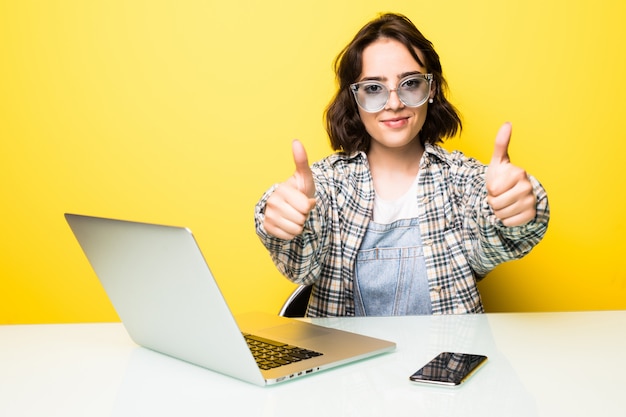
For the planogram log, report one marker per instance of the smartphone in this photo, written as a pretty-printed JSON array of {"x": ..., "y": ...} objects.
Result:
[{"x": 449, "y": 368}]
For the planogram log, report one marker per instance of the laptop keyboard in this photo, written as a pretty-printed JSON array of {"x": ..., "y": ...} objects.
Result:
[{"x": 272, "y": 354}]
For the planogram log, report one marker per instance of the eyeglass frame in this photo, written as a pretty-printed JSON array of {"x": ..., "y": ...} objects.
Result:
[{"x": 354, "y": 87}]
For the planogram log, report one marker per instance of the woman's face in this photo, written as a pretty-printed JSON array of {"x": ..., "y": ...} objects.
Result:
[{"x": 396, "y": 125}]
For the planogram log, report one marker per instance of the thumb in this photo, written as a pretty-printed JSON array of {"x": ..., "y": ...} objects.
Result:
[
  {"x": 501, "y": 148},
  {"x": 303, "y": 174}
]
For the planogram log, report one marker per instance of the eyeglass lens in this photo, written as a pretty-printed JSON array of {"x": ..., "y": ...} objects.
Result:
[{"x": 372, "y": 96}]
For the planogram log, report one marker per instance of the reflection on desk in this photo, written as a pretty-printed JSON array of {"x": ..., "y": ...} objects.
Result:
[{"x": 539, "y": 365}]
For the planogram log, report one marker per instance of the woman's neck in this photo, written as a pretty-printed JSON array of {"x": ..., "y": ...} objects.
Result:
[{"x": 394, "y": 169}]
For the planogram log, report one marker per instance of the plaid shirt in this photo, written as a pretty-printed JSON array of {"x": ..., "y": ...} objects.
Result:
[{"x": 462, "y": 239}]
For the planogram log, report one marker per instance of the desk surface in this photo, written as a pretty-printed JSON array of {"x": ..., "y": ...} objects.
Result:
[{"x": 540, "y": 364}]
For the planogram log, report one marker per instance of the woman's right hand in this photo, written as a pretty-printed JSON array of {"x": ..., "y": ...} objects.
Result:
[{"x": 287, "y": 209}]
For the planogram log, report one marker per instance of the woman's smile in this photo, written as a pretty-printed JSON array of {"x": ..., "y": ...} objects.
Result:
[{"x": 395, "y": 122}]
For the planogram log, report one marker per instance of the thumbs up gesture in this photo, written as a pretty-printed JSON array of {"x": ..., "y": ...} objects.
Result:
[
  {"x": 288, "y": 207},
  {"x": 509, "y": 191}
]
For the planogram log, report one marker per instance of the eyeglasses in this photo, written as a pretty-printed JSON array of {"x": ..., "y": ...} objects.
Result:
[{"x": 372, "y": 96}]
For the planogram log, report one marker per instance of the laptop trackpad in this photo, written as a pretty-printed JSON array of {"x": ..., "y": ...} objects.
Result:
[{"x": 294, "y": 331}]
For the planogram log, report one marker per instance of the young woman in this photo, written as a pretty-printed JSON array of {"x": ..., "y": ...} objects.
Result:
[{"x": 393, "y": 224}]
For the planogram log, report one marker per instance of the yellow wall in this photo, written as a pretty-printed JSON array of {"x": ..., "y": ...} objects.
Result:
[{"x": 182, "y": 112}]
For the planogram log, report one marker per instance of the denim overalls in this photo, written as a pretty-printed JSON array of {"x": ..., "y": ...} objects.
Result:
[{"x": 390, "y": 275}]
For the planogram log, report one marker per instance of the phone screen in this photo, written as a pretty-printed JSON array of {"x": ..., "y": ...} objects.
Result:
[{"x": 448, "y": 368}]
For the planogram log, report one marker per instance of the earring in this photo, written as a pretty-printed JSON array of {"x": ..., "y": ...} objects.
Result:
[{"x": 430, "y": 100}]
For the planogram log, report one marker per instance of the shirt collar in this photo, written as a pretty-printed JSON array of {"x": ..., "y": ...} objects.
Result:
[{"x": 432, "y": 153}]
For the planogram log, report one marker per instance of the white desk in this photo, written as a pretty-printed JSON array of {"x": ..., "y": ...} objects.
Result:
[{"x": 555, "y": 364}]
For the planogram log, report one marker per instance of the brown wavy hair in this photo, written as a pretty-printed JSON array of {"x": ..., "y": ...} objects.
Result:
[{"x": 343, "y": 123}]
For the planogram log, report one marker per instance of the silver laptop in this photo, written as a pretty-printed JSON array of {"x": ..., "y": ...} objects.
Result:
[{"x": 163, "y": 291}]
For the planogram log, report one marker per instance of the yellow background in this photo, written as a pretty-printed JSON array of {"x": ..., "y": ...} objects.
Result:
[{"x": 182, "y": 113}]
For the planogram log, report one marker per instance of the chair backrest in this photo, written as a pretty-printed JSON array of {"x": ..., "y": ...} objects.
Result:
[{"x": 296, "y": 304}]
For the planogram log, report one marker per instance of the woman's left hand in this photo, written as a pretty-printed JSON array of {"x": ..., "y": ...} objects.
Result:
[{"x": 509, "y": 191}]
